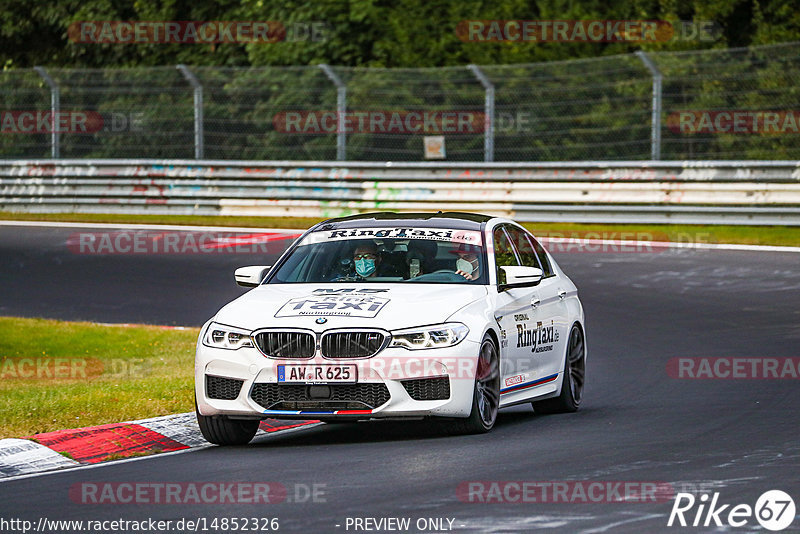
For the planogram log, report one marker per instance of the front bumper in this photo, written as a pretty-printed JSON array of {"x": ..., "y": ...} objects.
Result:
[{"x": 244, "y": 383}]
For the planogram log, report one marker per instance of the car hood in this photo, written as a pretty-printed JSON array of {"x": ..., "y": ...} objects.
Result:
[{"x": 387, "y": 306}]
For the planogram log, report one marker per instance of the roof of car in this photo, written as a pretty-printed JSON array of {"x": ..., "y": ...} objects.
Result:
[{"x": 449, "y": 219}]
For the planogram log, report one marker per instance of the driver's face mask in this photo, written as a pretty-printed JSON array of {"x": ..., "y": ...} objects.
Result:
[
  {"x": 467, "y": 266},
  {"x": 365, "y": 267}
]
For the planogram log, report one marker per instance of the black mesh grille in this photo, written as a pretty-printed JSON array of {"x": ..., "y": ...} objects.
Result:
[
  {"x": 286, "y": 344},
  {"x": 339, "y": 397},
  {"x": 357, "y": 344},
  {"x": 221, "y": 388},
  {"x": 428, "y": 388}
]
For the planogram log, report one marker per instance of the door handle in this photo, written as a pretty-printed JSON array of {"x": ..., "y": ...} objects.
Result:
[
  {"x": 535, "y": 301},
  {"x": 562, "y": 293}
]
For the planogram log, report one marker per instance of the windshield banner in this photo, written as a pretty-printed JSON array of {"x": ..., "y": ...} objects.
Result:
[{"x": 433, "y": 234}]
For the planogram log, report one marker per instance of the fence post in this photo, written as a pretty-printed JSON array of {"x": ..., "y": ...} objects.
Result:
[
  {"x": 198, "y": 110},
  {"x": 488, "y": 125},
  {"x": 341, "y": 110},
  {"x": 55, "y": 109},
  {"x": 655, "y": 119}
]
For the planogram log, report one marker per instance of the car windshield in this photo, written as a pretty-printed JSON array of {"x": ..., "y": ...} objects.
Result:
[{"x": 413, "y": 255}]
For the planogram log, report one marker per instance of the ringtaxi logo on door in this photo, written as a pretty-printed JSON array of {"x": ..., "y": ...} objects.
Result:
[{"x": 774, "y": 510}]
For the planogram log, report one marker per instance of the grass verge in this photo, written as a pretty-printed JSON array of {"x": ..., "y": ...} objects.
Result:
[
  {"x": 745, "y": 235},
  {"x": 57, "y": 375}
]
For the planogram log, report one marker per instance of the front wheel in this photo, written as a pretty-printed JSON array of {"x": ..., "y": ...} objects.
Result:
[
  {"x": 486, "y": 392},
  {"x": 222, "y": 430},
  {"x": 572, "y": 383}
]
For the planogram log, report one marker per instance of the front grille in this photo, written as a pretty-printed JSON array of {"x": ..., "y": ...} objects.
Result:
[
  {"x": 221, "y": 388},
  {"x": 336, "y": 397},
  {"x": 428, "y": 388},
  {"x": 286, "y": 344},
  {"x": 356, "y": 344}
]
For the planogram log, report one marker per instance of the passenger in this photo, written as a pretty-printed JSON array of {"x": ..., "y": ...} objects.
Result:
[
  {"x": 468, "y": 262},
  {"x": 366, "y": 260}
]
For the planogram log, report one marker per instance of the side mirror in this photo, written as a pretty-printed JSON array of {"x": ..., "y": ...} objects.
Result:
[
  {"x": 520, "y": 276},
  {"x": 251, "y": 276}
]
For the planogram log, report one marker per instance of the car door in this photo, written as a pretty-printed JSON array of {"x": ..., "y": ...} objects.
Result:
[
  {"x": 551, "y": 326},
  {"x": 517, "y": 314}
]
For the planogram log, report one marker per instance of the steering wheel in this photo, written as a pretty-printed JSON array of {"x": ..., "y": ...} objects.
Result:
[
  {"x": 345, "y": 278},
  {"x": 441, "y": 275}
]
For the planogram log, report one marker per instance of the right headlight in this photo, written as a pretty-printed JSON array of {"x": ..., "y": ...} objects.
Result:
[
  {"x": 221, "y": 336},
  {"x": 429, "y": 337}
]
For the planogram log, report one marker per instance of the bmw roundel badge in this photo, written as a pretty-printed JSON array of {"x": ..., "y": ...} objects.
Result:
[{"x": 321, "y": 320}]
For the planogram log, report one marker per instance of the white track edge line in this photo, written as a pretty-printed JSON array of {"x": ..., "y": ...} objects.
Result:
[
  {"x": 133, "y": 226},
  {"x": 659, "y": 244}
]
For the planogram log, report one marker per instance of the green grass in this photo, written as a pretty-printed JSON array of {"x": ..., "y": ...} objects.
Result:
[
  {"x": 198, "y": 220},
  {"x": 748, "y": 235},
  {"x": 97, "y": 374}
]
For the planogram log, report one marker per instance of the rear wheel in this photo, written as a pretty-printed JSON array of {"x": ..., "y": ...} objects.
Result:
[
  {"x": 486, "y": 392},
  {"x": 222, "y": 430},
  {"x": 572, "y": 385}
]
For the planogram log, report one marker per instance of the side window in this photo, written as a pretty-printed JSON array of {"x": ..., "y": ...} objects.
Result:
[
  {"x": 503, "y": 253},
  {"x": 527, "y": 254},
  {"x": 542, "y": 255}
]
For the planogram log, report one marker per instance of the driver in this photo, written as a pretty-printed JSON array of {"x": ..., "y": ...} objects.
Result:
[
  {"x": 366, "y": 260},
  {"x": 467, "y": 264}
]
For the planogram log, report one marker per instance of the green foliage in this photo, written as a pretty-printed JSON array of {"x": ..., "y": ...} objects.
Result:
[
  {"x": 378, "y": 33},
  {"x": 578, "y": 101}
]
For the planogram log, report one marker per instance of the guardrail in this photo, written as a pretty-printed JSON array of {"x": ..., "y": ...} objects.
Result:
[{"x": 702, "y": 192}]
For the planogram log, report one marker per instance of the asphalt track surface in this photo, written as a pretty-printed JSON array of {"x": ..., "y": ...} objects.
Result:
[{"x": 735, "y": 437}]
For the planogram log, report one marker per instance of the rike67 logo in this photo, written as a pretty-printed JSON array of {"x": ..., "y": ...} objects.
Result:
[{"x": 774, "y": 510}]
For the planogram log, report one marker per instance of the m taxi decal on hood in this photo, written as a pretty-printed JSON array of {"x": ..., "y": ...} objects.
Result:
[
  {"x": 347, "y": 305},
  {"x": 348, "y": 290}
]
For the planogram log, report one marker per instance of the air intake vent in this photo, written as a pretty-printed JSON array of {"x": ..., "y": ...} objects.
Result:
[
  {"x": 221, "y": 388},
  {"x": 338, "y": 397},
  {"x": 428, "y": 388}
]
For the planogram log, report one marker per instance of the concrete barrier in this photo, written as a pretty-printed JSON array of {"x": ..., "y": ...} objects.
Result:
[{"x": 707, "y": 192}]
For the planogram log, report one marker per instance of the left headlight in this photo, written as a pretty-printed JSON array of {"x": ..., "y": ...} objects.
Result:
[
  {"x": 430, "y": 337},
  {"x": 221, "y": 336}
]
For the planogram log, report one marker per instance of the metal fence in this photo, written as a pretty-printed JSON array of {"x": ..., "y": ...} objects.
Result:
[{"x": 624, "y": 107}]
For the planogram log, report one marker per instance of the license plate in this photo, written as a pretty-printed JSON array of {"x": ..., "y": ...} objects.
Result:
[{"x": 317, "y": 374}]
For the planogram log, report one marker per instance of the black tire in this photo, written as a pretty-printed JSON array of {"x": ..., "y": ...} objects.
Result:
[
  {"x": 485, "y": 393},
  {"x": 222, "y": 430},
  {"x": 569, "y": 400}
]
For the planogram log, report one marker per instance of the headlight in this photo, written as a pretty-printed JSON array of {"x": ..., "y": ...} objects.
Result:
[
  {"x": 226, "y": 337},
  {"x": 429, "y": 337}
]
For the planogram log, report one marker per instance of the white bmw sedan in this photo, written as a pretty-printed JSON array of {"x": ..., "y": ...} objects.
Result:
[{"x": 387, "y": 315}]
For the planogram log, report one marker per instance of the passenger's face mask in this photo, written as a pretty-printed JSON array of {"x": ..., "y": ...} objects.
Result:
[
  {"x": 466, "y": 265},
  {"x": 365, "y": 267}
]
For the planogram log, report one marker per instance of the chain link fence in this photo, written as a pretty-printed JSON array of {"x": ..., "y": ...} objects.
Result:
[{"x": 668, "y": 105}]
